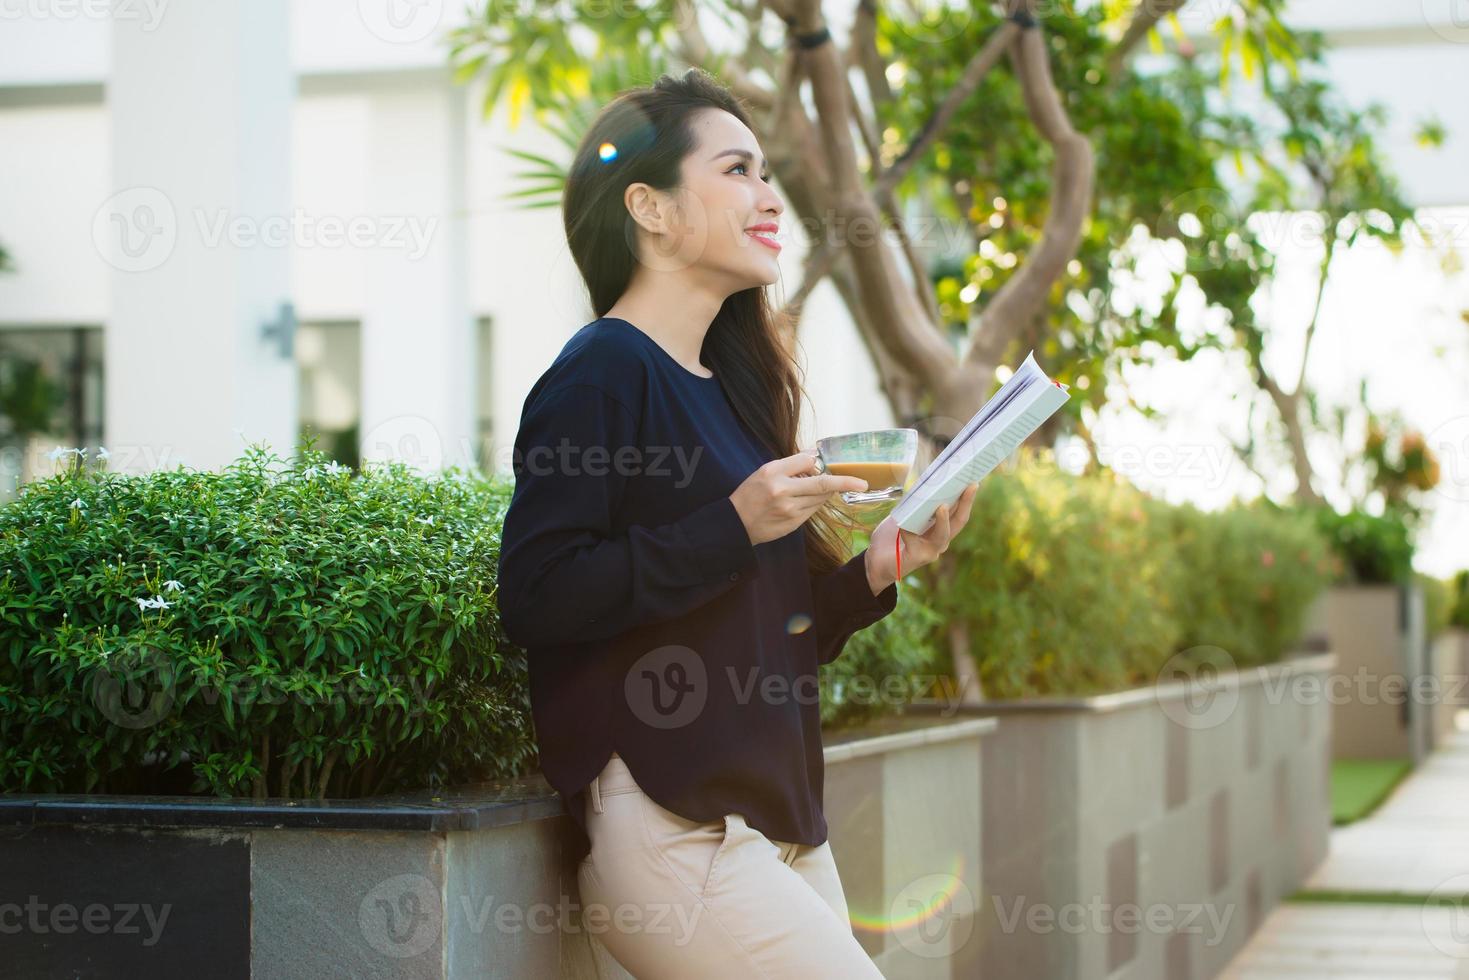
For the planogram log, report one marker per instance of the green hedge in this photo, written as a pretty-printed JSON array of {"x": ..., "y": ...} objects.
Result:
[
  {"x": 1437, "y": 603},
  {"x": 1374, "y": 549},
  {"x": 1059, "y": 585},
  {"x": 1245, "y": 576},
  {"x": 324, "y": 634},
  {"x": 892, "y": 663},
  {"x": 1083, "y": 585},
  {"x": 1459, "y": 601},
  {"x": 291, "y": 629}
]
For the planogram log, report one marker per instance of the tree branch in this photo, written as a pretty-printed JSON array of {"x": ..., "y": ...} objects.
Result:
[
  {"x": 974, "y": 73},
  {"x": 756, "y": 51},
  {"x": 790, "y": 87},
  {"x": 865, "y": 127},
  {"x": 696, "y": 51},
  {"x": 862, "y": 49},
  {"x": 1316, "y": 307},
  {"x": 1144, "y": 19},
  {"x": 1246, "y": 456},
  {"x": 819, "y": 262},
  {"x": 912, "y": 337},
  {"x": 1071, "y": 197}
]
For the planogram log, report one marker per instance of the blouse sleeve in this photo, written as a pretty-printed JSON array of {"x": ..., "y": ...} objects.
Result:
[
  {"x": 564, "y": 576},
  {"x": 844, "y": 604}
]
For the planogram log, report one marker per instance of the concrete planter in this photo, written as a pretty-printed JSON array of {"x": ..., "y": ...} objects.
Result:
[
  {"x": 1381, "y": 708},
  {"x": 1450, "y": 665},
  {"x": 903, "y": 811},
  {"x": 1146, "y": 834},
  {"x": 472, "y": 883}
]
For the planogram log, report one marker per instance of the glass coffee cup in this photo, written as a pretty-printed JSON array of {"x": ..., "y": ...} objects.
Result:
[{"x": 882, "y": 457}]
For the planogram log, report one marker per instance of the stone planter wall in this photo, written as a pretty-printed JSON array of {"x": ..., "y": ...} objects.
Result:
[
  {"x": 1146, "y": 834},
  {"x": 1376, "y": 632},
  {"x": 1450, "y": 665},
  {"x": 903, "y": 813},
  {"x": 473, "y": 883}
]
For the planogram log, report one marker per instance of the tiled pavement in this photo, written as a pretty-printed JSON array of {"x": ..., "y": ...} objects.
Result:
[
  {"x": 1308, "y": 940},
  {"x": 1416, "y": 843}
]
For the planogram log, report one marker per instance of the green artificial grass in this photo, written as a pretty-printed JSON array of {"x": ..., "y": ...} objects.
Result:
[
  {"x": 1377, "y": 898},
  {"x": 1359, "y": 785}
]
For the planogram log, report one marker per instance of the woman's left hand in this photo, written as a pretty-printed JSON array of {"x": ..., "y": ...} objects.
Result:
[{"x": 918, "y": 549}]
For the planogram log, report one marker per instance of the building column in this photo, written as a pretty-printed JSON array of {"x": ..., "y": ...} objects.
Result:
[
  {"x": 199, "y": 232},
  {"x": 418, "y": 338}
]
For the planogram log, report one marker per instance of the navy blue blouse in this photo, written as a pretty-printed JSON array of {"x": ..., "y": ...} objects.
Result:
[{"x": 652, "y": 626}]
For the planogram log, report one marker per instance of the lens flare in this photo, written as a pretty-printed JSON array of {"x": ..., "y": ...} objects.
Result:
[
  {"x": 935, "y": 906},
  {"x": 607, "y": 152}
]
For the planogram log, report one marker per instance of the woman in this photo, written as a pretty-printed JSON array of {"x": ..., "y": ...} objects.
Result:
[{"x": 671, "y": 566}]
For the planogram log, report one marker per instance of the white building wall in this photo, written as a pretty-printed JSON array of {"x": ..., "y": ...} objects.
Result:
[
  {"x": 518, "y": 271},
  {"x": 54, "y": 174}
]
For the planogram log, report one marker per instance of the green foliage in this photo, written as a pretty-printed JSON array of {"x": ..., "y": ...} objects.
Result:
[
  {"x": 1060, "y": 585},
  {"x": 1187, "y": 150},
  {"x": 1437, "y": 603},
  {"x": 893, "y": 662},
  {"x": 1430, "y": 134},
  {"x": 283, "y": 631},
  {"x": 303, "y": 631},
  {"x": 1150, "y": 146},
  {"x": 1244, "y": 577},
  {"x": 1083, "y": 585},
  {"x": 546, "y": 56},
  {"x": 1459, "y": 601},
  {"x": 1401, "y": 465},
  {"x": 29, "y": 396},
  {"x": 1374, "y": 550}
]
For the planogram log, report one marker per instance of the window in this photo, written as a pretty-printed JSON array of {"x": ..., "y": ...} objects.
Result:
[
  {"x": 50, "y": 395},
  {"x": 329, "y": 362}
]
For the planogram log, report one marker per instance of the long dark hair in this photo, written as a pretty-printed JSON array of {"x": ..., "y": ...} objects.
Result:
[{"x": 648, "y": 132}]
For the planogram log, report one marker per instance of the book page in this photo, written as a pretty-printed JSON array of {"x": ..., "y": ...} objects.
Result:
[
  {"x": 1020, "y": 381},
  {"x": 1005, "y": 421}
]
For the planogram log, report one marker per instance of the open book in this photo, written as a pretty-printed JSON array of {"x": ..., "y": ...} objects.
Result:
[{"x": 1014, "y": 412}]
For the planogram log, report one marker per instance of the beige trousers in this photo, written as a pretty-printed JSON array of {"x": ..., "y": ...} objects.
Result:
[{"x": 670, "y": 897}]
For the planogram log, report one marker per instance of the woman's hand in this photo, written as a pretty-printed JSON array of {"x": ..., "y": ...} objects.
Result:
[
  {"x": 779, "y": 497},
  {"x": 918, "y": 549}
]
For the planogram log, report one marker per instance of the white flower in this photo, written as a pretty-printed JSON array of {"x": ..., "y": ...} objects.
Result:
[
  {"x": 426, "y": 520},
  {"x": 311, "y": 471},
  {"x": 173, "y": 585},
  {"x": 334, "y": 468},
  {"x": 143, "y": 603},
  {"x": 156, "y": 602},
  {"x": 56, "y": 454},
  {"x": 77, "y": 504},
  {"x": 102, "y": 453}
]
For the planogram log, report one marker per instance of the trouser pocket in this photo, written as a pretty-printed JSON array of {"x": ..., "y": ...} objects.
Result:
[
  {"x": 625, "y": 823},
  {"x": 690, "y": 848}
]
